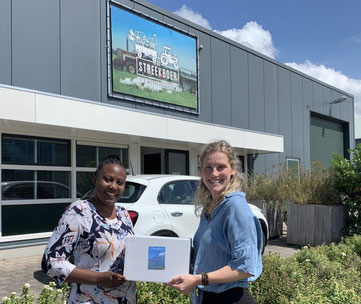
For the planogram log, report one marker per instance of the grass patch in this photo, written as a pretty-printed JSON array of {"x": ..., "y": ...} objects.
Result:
[{"x": 184, "y": 99}]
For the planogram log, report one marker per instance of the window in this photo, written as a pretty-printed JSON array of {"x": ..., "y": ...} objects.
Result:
[
  {"x": 178, "y": 192},
  {"x": 132, "y": 192},
  {"x": 28, "y": 184},
  {"x": 35, "y": 183},
  {"x": 36, "y": 179},
  {"x": 83, "y": 182},
  {"x": 26, "y": 150},
  {"x": 293, "y": 165},
  {"x": 16, "y": 150},
  {"x": 23, "y": 176},
  {"x": 88, "y": 157}
]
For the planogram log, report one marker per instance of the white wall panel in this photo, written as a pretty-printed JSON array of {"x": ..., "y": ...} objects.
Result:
[{"x": 20, "y": 105}]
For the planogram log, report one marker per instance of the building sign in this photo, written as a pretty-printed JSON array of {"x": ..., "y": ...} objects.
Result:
[{"x": 151, "y": 61}]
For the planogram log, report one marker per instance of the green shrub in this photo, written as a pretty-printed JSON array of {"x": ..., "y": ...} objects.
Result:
[
  {"x": 354, "y": 241},
  {"x": 278, "y": 282},
  {"x": 147, "y": 293},
  {"x": 49, "y": 295},
  {"x": 348, "y": 183},
  {"x": 283, "y": 185},
  {"x": 154, "y": 293},
  {"x": 316, "y": 186},
  {"x": 319, "y": 275},
  {"x": 323, "y": 274}
]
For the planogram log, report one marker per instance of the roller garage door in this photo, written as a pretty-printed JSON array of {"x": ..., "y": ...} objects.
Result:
[{"x": 327, "y": 138}]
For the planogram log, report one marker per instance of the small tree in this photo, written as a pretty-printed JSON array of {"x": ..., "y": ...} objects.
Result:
[{"x": 348, "y": 182}]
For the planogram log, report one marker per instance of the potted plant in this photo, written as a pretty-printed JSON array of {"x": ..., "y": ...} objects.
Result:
[
  {"x": 268, "y": 192},
  {"x": 315, "y": 214}
]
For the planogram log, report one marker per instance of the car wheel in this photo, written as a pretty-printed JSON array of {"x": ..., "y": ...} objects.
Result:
[{"x": 165, "y": 233}]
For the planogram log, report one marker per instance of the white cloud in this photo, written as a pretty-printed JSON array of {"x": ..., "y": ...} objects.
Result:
[
  {"x": 251, "y": 35},
  {"x": 189, "y": 14},
  {"x": 255, "y": 37},
  {"x": 334, "y": 78}
]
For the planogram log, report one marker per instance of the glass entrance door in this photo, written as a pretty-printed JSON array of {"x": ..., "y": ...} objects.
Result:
[
  {"x": 164, "y": 161},
  {"x": 176, "y": 162}
]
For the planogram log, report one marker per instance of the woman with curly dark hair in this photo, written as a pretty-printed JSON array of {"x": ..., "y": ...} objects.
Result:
[{"x": 94, "y": 233}]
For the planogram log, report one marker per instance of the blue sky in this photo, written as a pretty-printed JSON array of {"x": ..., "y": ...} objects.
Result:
[{"x": 321, "y": 38}]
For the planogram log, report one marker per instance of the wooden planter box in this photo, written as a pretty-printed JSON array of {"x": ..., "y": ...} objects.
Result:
[
  {"x": 273, "y": 214},
  {"x": 314, "y": 224}
]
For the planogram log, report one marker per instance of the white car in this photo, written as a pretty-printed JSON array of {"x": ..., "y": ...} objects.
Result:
[{"x": 163, "y": 205}]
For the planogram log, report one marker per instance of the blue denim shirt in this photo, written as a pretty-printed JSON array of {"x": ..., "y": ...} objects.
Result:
[{"x": 231, "y": 236}]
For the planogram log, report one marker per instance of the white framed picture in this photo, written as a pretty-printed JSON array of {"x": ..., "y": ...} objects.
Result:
[{"x": 156, "y": 259}]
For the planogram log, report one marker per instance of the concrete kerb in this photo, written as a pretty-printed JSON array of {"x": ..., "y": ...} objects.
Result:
[{"x": 15, "y": 253}]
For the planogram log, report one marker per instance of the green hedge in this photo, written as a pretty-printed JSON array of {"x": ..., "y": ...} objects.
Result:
[
  {"x": 322, "y": 274},
  {"x": 318, "y": 275},
  {"x": 347, "y": 182},
  {"x": 154, "y": 293}
]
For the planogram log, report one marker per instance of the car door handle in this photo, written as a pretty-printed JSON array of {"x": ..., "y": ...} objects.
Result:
[{"x": 176, "y": 213}]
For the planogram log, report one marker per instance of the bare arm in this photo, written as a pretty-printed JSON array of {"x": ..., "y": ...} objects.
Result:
[
  {"x": 185, "y": 283},
  {"x": 226, "y": 275},
  {"x": 106, "y": 279}
]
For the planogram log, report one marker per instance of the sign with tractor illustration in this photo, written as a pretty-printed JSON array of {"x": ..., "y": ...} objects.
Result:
[
  {"x": 152, "y": 61},
  {"x": 166, "y": 58}
]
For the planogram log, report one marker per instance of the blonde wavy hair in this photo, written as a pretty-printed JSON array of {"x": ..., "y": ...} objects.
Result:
[{"x": 203, "y": 197}]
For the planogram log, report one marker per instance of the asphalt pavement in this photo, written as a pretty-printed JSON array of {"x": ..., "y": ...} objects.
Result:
[{"x": 22, "y": 265}]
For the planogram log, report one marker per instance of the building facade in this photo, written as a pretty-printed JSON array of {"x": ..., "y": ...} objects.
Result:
[
  {"x": 82, "y": 79},
  {"x": 358, "y": 130}
]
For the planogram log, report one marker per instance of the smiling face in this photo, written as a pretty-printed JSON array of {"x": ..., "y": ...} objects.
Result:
[
  {"x": 216, "y": 172},
  {"x": 109, "y": 185}
]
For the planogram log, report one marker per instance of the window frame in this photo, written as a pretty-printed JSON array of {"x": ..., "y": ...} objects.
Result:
[
  {"x": 34, "y": 166},
  {"x": 294, "y": 159},
  {"x": 92, "y": 169},
  {"x": 36, "y": 139}
]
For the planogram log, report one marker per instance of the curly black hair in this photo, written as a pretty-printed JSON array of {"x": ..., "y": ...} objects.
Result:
[{"x": 109, "y": 159}]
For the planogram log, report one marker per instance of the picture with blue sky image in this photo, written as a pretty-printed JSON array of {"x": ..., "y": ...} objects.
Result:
[{"x": 156, "y": 258}]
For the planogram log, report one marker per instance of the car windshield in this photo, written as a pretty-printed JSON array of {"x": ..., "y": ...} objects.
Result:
[{"x": 132, "y": 193}]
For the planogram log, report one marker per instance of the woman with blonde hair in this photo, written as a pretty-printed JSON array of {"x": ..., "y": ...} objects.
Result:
[{"x": 228, "y": 242}]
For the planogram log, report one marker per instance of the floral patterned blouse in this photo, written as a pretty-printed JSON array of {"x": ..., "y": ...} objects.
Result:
[{"x": 96, "y": 244}]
